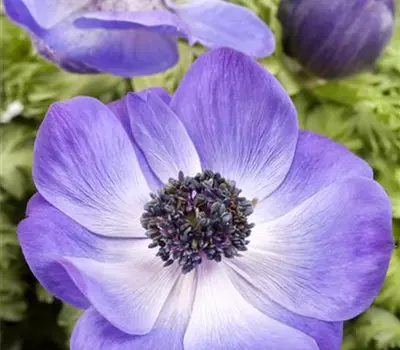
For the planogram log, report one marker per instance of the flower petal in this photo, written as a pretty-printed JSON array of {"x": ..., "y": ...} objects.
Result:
[
  {"x": 217, "y": 23},
  {"x": 47, "y": 234},
  {"x": 156, "y": 20},
  {"x": 120, "y": 52},
  {"x": 119, "y": 108},
  {"x": 94, "y": 332},
  {"x": 129, "y": 295},
  {"x": 19, "y": 13},
  {"x": 47, "y": 13},
  {"x": 61, "y": 59},
  {"x": 240, "y": 119},
  {"x": 222, "y": 319},
  {"x": 85, "y": 165},
  {"x": 161, "y": 137},
  {"x": 318, "y": 162},
  {"x": 328, "y": 257},
  {"x": 328, "y": 335}
]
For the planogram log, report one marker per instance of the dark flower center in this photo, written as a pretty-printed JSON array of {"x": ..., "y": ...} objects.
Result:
[{"x": 198, "y": 217}]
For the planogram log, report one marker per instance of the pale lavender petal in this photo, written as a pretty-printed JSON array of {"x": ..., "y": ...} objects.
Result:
[
  {"x": 94, "y": 332},
  {"x": 85, "y": 165},
  {"x": 163, "y": 94},
  {"x": 159, "y": 21},
  {"x": 47, "y": 234},
  {"x": 328, "y": 335},
  {"x": 240, "y": 119},
  {"x": 217, "y": 23},
  {"x": 162, "y": 137},
  {"x": 318, "y": 162},
  {"x": 222, "y": 319},
  {"x": 327, "y": 258},
  {"x": 47, "y": 13},
  {"x": 128, "y": 294},
  {"x": 119, "y": 108}
]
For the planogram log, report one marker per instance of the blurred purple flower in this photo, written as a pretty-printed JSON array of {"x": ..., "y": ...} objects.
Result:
[
  {"x": 198, "y": 264},
  {"x": 135, "y": 37},
  {"x": 336, "y": 38}
]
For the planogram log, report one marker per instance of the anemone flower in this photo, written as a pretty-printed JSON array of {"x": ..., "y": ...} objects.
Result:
[
  {"x": 205, "y": 220},
  {"x": 135, "y": 37}
]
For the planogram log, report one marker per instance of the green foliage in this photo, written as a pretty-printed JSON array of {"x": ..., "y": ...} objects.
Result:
[
  {"x": 12, "y": 288},
  {"x": 376, "y": 328},
  {"x": 361, "y": 112},
  {"x": 16, "y": 144}
]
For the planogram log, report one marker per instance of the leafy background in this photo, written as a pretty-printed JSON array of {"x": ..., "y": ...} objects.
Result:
[{"x": 362, "y": 112}]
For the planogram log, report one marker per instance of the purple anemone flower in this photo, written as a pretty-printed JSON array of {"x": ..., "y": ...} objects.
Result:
[
  {"x": 203, "y": 220},
  {"x": 336, "y": 38},
  {"x": 135, "y": 37}
]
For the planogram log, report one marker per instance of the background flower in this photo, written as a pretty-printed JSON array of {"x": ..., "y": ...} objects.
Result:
[
  {"x": 130, "y": 38},
  {"x": 318, "y": 253}
]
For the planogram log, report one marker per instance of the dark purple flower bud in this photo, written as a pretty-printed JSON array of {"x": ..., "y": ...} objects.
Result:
[{"x": 336, "y": 38}]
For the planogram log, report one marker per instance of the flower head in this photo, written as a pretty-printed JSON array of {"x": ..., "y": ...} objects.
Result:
[
  {"x": 203, "y": 220},
  {"x": 336, "y": 38},
  {"x": 135, "y": 37}
]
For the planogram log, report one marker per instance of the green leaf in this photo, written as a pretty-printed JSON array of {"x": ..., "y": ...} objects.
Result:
[
  {"x": 43, "y": 295},
  {"x": 389, "y": 297},
  {"x": 68, "y": 317},
  {"x": 13, "y": 309},
  {"x": 381, "y": 327},
  {"x": 16, "y": 144}
]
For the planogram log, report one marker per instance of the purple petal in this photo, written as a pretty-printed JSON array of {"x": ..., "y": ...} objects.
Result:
[
  {"x": 162, "y": 137},
  {"x": 240, "y": 119},
  {"x": 160, "y": 92},
  {"x": 222, "y": 319},
  {"x": 47, "y": 13},
  {"x": 62, "y": 59},
  {"x": 47, "y": 234},
  {"x": 217, "y": 23},
  {"x": 19, "y": 13},
  {"x": 119, "y": 108},
  {"x": 36, "y": 203},
  {"x": 121, "y": 52},
  {"x": 85, "y": 165},
  {"x": 327, "y": 258},
  {"x": 318, "y": 162},
  {"x": 159, "y": 21},
  {"x": 94, "y": 332},
  {"x": 328, "y": 335},
  {"x": 128, "y": 294}
]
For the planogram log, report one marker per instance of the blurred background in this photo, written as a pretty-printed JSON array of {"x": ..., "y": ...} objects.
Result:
[{"x": 361, "y": 112}]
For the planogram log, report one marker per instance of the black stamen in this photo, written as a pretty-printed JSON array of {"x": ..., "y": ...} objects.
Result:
[{"x": 198, "y": 217}]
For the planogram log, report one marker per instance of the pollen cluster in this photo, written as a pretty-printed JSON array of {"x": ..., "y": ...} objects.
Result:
[{"x": 196, "y": 218}]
